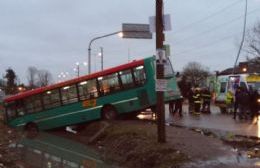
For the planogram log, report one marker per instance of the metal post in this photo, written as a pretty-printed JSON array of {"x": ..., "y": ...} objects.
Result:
[
  {"x": 78, "y": 70},
  {"x": 89, "y": 48},
  {"x": 243, "y": 39},
  {"x": 89, "y": 58},
  {"x": 160, "y": 73},
  {"x": 102, "y": 58}
]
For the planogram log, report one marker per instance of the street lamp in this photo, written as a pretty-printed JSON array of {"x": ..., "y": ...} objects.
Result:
[
  {"x": 77, "y": 69},
  {"x": 96, "y": 38},
  {"x": 62, "y": 76},
  {"x": 101, "y": 54}
]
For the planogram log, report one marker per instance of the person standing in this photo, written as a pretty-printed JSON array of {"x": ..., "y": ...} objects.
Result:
[
  {"x": 229, "y": 101},
  {"x": 243, "y": 101},
  {"x": 171, "y": 106},
  {"x": 197, "y": 101},
  {"x": 178, "y": 106},
  {"x": 237, "y": 99},
  {"x": 190, "y": 99},
  {"x": 254, "y": 104},
  {"x": 206, "y": 98}
]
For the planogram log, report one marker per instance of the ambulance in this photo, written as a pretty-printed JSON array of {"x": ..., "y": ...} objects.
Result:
[{"x": 227, "y": 83}]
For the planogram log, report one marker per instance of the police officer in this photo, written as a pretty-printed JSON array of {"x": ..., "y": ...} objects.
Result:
[{"x": 229, "y": 100}]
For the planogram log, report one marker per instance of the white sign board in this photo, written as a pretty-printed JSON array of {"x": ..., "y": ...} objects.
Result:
[
  {"x": 160, "y": 56},
  {"x": 141, "y": 31},
  {"x": 161, "y": 85},
  {"x": 166, "y": 23}
]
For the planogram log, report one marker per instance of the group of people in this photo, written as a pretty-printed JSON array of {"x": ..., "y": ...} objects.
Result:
[
  {"x": 175, "y": 106},
  {"x": 199, "y": 100},
  {"x": 244, "y": 102}
]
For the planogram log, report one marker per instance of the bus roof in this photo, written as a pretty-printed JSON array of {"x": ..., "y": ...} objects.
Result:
[{"x": 75, "y": 80}]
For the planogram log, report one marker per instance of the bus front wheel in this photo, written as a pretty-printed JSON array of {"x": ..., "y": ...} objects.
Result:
[
  {"x": 109, "y": 113},
  {"x": 31, "y": 130}
]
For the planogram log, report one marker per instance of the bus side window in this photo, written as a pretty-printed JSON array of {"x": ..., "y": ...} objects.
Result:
[
  {"x": 223, "y": 87},
  {"x": 29, "y": 105},
  {"x": 83, "y": 88},
  {"x": 88, "y": 89},
  {"x": 33, "y": 104},
  {"x": 11, "y": 110},
  {"x": 127, "y": 78},
  {"x": 139, "y": 75},
  {"x": 69, "y": 94},
  {"x": 51, "y": 98},
  {"x": 20, "y": 107},
  {"x": 109, "y": 83}
]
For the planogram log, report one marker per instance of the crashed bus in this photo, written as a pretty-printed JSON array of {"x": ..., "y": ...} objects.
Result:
[{"x": 126, "y": 88}]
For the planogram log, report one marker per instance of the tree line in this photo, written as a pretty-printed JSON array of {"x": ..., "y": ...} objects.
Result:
[{"x": 36, "y": 78}]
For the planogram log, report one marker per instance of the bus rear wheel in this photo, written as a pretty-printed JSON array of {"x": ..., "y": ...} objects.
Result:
[
  {"x": 109, "y": 113},
  {"x": 31, "y": 130}
]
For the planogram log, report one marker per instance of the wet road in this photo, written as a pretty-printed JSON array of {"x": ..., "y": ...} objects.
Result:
[{"x": 215, "y": 121}]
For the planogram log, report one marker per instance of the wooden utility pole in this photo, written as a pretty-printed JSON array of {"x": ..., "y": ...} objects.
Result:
[{"x": 160, "y": 72}]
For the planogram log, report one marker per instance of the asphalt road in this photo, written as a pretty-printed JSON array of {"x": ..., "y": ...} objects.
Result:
[{"x": 214, "y": 121}]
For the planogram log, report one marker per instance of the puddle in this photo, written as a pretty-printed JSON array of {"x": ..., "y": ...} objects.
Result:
[
  {"x": 237, "y": 159},
  {"x": 54, "y": 152},
  {"x": 245, "y": 150}
]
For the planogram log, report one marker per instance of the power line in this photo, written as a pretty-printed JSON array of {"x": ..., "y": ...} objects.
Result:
[
  {"x": 209, "y": 16},
  {"x": 207, "y": 45},
  {"x": 218, "y": 26}
]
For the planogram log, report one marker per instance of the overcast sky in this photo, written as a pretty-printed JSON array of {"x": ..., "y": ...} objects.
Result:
[{"x": 54, "y": 34}]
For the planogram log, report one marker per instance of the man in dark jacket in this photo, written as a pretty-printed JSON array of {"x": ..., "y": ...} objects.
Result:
[
  {"x": 178, "y": 106},
  {"x": 254, "y": 104}
]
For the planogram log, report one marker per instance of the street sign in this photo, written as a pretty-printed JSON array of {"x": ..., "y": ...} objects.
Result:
[
  {"x": 166, "y": 23},
  {"x": 160, "y": 56},
  {"x": 161, "y": 85},
  {"x": 139, "y": 31},
  {"x": 166, "y": 47}
]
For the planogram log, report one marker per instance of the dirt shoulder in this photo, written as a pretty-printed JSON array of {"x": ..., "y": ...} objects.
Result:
[
  {"x": 134, "y": 144},
  {"x": 8, "y": 156}
]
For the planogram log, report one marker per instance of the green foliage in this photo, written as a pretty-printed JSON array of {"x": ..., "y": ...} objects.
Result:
[{"x": 11, "y": 86}]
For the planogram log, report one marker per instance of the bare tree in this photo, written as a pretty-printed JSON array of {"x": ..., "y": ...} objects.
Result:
[
  {"x": 252, "y": 47},
  {"x": 195, "y": 74},
  {"x": 32, "y": 76},
  {"x": 44, "y": 78}
]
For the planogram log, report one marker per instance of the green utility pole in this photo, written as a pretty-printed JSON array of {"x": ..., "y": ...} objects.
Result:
[{"x": 160, "y": 72}]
